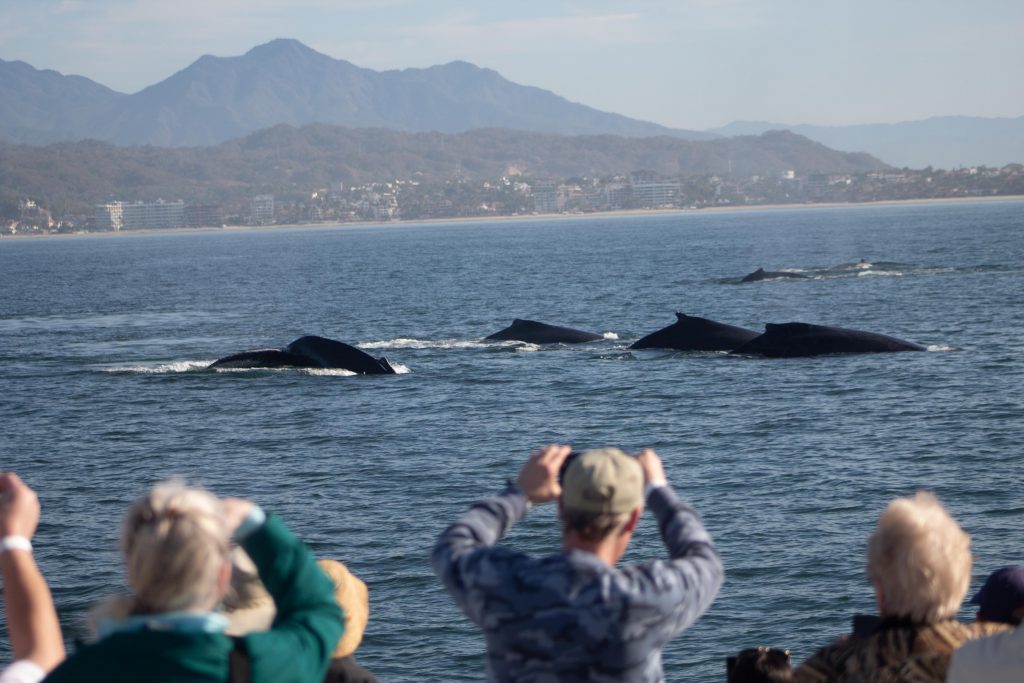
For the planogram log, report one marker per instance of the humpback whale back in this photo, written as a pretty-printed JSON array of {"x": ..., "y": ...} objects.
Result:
[
  {"x": 762, "y": 274},
  {"x": 690, "y": 333},
  {"x": 263, "y": 358},
  {"x": 788, "y": 340},
  {"x": 534, "y": 332},
  {"x": 328, "y": 353},
  {"x": 310, "y": 352}
]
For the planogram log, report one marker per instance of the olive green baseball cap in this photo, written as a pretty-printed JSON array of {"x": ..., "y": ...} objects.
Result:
[{"x": 603, "y": 481}]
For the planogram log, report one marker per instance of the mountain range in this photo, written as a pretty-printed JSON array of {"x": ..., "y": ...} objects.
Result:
[
  {"x": 285, "y": 82},
  {"x": 216, "y": 99}
]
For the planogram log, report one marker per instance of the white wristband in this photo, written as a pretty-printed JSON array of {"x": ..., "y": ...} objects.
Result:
[
  {"x": 15, "y": 543},
  {"x": 651, "y": 485}
]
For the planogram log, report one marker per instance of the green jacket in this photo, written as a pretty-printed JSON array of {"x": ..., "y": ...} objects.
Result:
[{"x": 296, "y": 649}]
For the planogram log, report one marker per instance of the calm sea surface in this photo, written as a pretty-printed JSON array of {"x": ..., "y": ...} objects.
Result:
[{"x": 103, "y": 388}]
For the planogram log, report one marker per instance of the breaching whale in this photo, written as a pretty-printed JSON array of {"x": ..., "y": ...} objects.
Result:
[
  {"x": 534, "y": 332},
  {"x": 310, "y": 352},
  {"x": 803, "y": 339},
  {"x": 690, "y": 333},
  {"x": 762, "y": 274}
]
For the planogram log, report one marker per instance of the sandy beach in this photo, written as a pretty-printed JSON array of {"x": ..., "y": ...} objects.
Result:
[{"x": 526, "y": 217}]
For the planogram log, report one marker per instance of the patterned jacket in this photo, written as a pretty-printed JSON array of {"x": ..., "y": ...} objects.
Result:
[
  {"x": 896, "y": 652},
  {"x": 571, "y": 617}
]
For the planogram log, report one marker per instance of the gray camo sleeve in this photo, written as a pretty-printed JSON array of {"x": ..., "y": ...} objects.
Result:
[
  {"x": 679, "y": 590},
  {"x": 482, "y": 525}
]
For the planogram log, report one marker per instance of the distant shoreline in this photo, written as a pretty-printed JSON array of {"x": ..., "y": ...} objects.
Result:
[{"x": 528, "y": 217}]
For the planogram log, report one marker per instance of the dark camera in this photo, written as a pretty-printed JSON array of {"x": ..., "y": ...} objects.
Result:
[
  {"x": 759, "y": 665},
  {"x": 565, "y": 465}
]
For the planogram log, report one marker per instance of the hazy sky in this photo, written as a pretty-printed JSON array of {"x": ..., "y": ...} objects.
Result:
[{"x": 683, "y": 63}]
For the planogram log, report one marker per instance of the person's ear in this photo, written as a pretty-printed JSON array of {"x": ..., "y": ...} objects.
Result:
[
  {"x": 634, "y": 519},
  {"x": 223, "y": 579}
]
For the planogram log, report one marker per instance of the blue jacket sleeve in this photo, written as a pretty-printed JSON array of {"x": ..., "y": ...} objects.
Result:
[
  {"x": 454, "y": 558},
  {"x": 675, "y": 592}
]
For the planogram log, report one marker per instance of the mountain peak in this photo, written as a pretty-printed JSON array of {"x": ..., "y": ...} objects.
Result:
[{"x": 282, "y": 46}]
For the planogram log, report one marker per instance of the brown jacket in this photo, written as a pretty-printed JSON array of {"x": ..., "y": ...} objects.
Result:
[{"x": 897, "y": 651}]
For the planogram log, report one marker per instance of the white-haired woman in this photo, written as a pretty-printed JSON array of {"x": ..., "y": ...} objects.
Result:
[
  {"x": 176, "y": 544},
  {"x": 919, "y": 561}
]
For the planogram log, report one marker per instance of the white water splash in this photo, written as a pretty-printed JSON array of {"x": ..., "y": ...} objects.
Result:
[
  {"x": 161, "y": 369},
  {"x": 940, "y": 347},
  {"x": 406, "y": 343},
  {"x": 610, "y": 335},
  {"x": 326, "y": 372},
  {"x": 880, "y": 273}
]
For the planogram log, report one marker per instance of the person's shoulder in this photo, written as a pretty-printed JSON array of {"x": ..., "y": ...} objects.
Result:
[
  {"x": 825, "y": 663},
  {"x": 123, "y": 656},
  {"x": 948, "y": 635}
]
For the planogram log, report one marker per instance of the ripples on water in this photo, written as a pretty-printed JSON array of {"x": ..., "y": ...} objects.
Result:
[{"x": 104, "y": 344}]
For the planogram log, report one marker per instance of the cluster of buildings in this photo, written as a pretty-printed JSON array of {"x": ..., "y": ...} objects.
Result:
[
  {"x": 119, "y": 215},
  {"x": 515, "y": 194}
]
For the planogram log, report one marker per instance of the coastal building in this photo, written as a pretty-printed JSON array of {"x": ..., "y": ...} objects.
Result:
[
  {"x": 117, "y": 216},
  {"x": 109, "y": 216},
  {"x": 204, "y": 215},
  {"x": 616, "y": 195},
  {"x": 263, "y": 209},
  {"x": 547, "y": 197},
  {"x": 649, "y": 190}
]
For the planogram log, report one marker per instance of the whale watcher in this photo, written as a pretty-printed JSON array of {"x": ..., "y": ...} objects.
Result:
[
  {"x": 1001, "y": 599},
  {"x": 31, "y": 618},
  {"x": 919, "y": 562},
  {"x": 249, "y": 607},
  {"x": 575, "y": 615},
  {"x": 998, "y": 658},
  {"x": 176, "y": 546}
]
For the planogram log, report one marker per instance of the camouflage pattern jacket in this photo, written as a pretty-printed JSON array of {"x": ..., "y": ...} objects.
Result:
[
  {"x": 571, "y": 617},
  {"x": 896, "y": 652}
]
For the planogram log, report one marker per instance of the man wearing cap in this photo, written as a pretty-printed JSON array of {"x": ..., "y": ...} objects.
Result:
[
  {"x": 998, "y": 658},
  {"x": 575, "y": 616},
  {"x": 1001, "y": 599}
]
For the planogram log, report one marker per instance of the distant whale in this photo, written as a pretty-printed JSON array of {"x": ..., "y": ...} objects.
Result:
[
  {"x": 803, "y": 339},
  {"x": 690, "y": 333},
  {"x": 534, "y": 332},
  {"x": 762, "y": 274},
  {"x": 310, "y": 352}
]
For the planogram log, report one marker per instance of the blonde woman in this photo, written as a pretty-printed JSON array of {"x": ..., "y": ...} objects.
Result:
[
  {"x": 176, "y": 545},
  {"x": 919, "y": 561}
]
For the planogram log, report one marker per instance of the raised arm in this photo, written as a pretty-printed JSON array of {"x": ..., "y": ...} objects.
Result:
[
  {"x": 685, "y": 585},
  {"x": 31, "y": 617},
  {"x": 308, "y": 623},
  {"x": 488, "y": 520}
]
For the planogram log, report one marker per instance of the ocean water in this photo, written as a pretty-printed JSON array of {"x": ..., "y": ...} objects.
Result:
[{"x": 104, "y": 343}]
